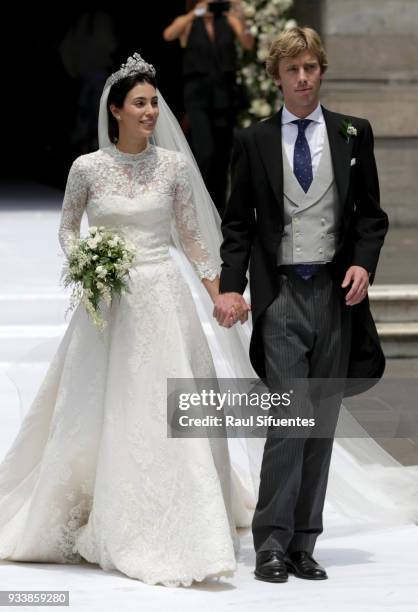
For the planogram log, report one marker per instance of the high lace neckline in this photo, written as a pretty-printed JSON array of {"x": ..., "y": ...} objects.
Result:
[{"x": 130, "y": 156}]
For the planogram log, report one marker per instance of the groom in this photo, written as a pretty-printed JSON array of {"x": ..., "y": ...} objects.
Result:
[{"x": 304, "y": 214}]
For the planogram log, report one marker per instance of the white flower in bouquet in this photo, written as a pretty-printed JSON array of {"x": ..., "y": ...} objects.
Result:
[
  {"x": 98, "y": 270},
  {"x": 283, "y": 5},
  {"x": 290, "y": 23},
  {"x": 260, "y": 108},
  {"x": 249, "y": 11},
  {"x": 265, "y": 110},
  {"x": 101, "y": 272},
  {"x": 255, "y": 107},
  {"x": 262, "y": 54},
  {"x": 265, "y": 85},
  {"x": 114, "y": 242}
]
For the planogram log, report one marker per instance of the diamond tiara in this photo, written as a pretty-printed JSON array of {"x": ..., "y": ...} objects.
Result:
[{"x": 133, "y": 65}]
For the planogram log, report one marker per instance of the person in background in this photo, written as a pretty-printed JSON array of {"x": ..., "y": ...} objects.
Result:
[
  {"x": 87, "y": 54},
  {"x": 208, "y": 33}
]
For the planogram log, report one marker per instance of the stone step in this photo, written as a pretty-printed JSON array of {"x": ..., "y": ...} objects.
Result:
[
  {"x": 394, "y": 303},
  {"x": 399, "y": 339}
]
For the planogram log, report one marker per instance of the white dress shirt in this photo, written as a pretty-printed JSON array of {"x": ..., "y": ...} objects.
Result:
[{"x": 315, "y": 134}]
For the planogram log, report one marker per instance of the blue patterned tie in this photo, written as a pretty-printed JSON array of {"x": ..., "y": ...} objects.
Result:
[
  {"x": 302, "y": 168},
  {"x": 302, "y": 163}
]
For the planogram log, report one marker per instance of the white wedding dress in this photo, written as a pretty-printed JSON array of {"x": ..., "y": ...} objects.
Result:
[{"x": 91, "y": 474}]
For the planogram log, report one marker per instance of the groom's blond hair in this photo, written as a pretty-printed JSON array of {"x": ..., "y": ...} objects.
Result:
[{"x": 290, "y": 43}]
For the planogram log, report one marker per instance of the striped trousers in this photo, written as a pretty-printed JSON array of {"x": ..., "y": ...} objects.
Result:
[{"x": 306, "y": 334}]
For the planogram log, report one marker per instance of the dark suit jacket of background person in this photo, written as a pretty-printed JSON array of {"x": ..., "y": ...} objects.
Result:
[{"x": 253, "y": 224}]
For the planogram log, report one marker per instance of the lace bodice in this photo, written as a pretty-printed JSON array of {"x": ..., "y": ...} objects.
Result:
[{"x": 144, "y": 195}]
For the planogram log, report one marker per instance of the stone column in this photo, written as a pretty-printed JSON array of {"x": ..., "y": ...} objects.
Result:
[{"x": 372, "y": 48}]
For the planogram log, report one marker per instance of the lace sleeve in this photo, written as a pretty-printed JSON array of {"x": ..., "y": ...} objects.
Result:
[
  {"x": 73, "y": 206},
  {"x": 188, "y": 226}
]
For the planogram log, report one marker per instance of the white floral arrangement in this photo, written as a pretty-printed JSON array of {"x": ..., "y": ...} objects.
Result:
[
  {"x": 265, "y": 19},
  {"x": 98, "y": 270}
]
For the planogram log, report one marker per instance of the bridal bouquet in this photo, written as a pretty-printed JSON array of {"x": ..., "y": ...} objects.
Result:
[{"x": 98, "y": 269}]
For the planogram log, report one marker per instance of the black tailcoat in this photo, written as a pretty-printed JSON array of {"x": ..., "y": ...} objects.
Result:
[{"x": 253, "y": 225}]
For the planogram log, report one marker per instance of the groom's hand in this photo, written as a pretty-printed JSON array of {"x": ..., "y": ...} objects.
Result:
[
  {"x": 359, "y": 279},
  {"x": 229, "y": 308}
]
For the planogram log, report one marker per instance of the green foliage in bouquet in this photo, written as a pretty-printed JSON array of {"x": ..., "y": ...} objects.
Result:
[
  {"x": 265, "y": 20},
  {"x": 98, "y": 270}
]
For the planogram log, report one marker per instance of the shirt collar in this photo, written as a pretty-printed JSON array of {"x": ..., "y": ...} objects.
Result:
[{"x": 316, "y": 115}]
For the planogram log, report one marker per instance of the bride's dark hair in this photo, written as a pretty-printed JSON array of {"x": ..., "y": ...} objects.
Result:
[{"x": 117, "y": 95}]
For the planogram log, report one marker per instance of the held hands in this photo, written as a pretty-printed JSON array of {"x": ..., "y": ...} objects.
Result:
[
  {"x": 229, "y": 308},
  {"x": 359, "y": 279}
]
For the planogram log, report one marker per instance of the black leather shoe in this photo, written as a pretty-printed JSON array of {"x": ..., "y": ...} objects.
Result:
[
  {"x": 303, "y": 565},
  {"x": 270, "y": 566}
]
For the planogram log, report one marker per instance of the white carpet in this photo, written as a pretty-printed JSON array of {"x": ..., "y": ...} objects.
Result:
[{"x": 368, "y": 573}]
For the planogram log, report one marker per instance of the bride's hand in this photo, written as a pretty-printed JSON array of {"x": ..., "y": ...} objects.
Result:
[
  {"x": 243, "y": 313},
  {"x": 229, "y": 308}
]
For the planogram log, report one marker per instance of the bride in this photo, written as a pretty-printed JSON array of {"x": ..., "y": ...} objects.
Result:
[{"x": 91, "y": 475}]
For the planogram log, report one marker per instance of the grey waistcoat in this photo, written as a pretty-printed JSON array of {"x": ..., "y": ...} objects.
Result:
[{"x": 311, "y": 219}]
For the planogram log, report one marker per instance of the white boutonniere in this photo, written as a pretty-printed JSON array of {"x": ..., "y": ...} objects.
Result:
[{"x": 347, "y": 129}]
